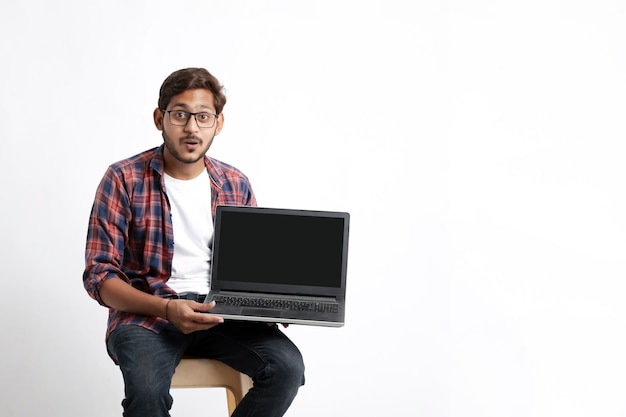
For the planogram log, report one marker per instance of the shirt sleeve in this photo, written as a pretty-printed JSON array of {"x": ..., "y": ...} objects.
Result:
[
  {"x": 107, "y": 233},
  {"x": 248, "y": 194}
]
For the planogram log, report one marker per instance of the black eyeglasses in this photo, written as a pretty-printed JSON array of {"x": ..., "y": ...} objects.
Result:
[{"x": 181, "y": 118}]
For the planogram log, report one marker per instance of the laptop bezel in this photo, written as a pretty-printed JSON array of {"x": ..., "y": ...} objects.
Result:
[{"x": 337, "y": 293}]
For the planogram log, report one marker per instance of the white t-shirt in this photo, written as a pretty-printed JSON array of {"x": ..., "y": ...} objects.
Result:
[{"x": 190, "y": 202}]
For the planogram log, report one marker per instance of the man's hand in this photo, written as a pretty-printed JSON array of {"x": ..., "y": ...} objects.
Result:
[
  {"x": 285, "y": 325},
  {"x": 189, "y": 316}
]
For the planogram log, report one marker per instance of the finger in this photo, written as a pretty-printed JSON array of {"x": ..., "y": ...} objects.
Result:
[
  {"x": 203, "y": 318},
  {"x": 193, "y": 326}
]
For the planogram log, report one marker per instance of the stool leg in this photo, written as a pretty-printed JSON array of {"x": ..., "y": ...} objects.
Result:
[{"x": 232, "y": 402}]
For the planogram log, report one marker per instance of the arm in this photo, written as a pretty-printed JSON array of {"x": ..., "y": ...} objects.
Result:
[
  {"x": 119, "y": 295},
  {"x": 186, "y": 315}
]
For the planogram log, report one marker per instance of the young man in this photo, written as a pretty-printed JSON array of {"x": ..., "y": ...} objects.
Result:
[{"x": 148, "y": 256}]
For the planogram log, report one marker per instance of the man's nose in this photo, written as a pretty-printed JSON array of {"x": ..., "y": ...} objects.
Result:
[{"x": 192, "y": 124}]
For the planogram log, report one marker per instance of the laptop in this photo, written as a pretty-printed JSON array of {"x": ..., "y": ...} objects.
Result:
[{"x": 279, "y": 265}]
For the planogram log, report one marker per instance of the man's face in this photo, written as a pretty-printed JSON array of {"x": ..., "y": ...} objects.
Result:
[{"x": 186, "y": 145}]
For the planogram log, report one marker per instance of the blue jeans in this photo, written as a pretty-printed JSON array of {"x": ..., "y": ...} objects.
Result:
[{"x": 148, "y": 360}]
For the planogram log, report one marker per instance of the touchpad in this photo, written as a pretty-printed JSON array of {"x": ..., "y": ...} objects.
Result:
[{"x": 263, "y": 312}]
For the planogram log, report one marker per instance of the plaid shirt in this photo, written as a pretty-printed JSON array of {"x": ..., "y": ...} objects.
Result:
[{"x": 130, "y": 229}]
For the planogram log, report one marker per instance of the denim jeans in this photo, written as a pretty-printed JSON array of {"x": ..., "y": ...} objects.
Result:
[{"x": 148, "y": 360}]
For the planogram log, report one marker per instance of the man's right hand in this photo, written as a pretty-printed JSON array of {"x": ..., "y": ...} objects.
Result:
[{"x": 189, "y": 316}]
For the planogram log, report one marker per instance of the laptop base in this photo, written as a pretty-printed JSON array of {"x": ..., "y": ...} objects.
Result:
[{"x": 304, "y": 315}]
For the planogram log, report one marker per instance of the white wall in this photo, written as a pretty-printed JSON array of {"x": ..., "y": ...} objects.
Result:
[{"x": 478, "y": 146}]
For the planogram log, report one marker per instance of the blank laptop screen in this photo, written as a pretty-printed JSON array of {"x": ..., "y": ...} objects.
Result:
[{"x": 280, "y": 249}]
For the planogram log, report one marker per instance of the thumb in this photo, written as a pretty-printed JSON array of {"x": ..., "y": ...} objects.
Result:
[{"x": 205, "y": 307}]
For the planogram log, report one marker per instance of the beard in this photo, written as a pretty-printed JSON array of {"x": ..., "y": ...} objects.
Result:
[{"x": 180, "y": 148}]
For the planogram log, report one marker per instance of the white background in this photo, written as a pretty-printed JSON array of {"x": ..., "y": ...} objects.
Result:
[{"x": 477, "y": 145}]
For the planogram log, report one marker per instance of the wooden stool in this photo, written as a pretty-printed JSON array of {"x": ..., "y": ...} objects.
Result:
[{"x": 210, "y": 373}]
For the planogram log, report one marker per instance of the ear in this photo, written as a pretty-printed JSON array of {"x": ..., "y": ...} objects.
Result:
[
  {"x": 158, "y": 118},
  {"x": 219, "y": 124}
]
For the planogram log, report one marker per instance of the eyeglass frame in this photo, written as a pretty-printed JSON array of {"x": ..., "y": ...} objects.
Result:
[{"x": 216, "y": 116}]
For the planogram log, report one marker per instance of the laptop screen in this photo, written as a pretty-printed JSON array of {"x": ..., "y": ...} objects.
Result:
[{"x": 280, "y": 249}]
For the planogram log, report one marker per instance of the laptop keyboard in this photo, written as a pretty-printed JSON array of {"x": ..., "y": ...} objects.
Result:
[{"x": 277, "y": 303}]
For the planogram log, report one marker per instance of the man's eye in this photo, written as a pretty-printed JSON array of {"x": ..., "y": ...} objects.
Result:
[
  {"x": 180, "y": 115},
  {"x": 203, "y": 116}
]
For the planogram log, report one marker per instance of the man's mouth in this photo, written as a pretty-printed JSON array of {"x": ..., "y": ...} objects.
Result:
[{"x": 191, "y": 141}]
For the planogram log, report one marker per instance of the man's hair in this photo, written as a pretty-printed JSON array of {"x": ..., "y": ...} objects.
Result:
[{"x": 189, "y": 79}]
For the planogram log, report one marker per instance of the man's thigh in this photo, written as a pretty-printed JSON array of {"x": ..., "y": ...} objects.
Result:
[
  {"x": 246, "y": 346},
  {"x": 145, "y": 356}
]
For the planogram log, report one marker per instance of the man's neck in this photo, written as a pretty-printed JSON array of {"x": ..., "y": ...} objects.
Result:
[{"x": 182, "y": 171}]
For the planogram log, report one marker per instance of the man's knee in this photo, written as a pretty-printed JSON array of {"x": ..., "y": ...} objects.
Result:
[{"x": 287, "y": 367}]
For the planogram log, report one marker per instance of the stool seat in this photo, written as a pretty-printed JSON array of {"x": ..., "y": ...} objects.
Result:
[{"x": 211, "y": 373}]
